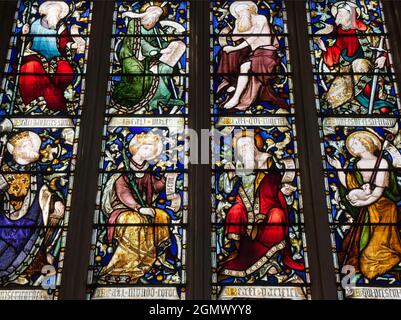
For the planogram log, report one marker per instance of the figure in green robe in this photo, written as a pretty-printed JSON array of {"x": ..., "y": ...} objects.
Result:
[{"x": 139, "y": 56}]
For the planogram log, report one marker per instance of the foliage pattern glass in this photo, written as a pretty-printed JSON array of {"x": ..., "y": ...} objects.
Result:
[
  {"x": 358, "y": 103},
  {"x": 258, "y": 240},
  {"x": 41, "y": 98},
  {"x": 139, "y": 234}
]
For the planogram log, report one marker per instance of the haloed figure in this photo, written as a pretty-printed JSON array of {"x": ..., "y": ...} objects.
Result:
[
  {"x": 147, "y": 241},
  {"x": 28, "y": 202},
  {"x": 349, "y": 50},
  {"x": 257, "y": 222},
  {"x": 255, "y": 54},
  {"x": 376, "y": 248},
  {"x": 49, "y": 42},
  {"x": 140, "y": 56}
]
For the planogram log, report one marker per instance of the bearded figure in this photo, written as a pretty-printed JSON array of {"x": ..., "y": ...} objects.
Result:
[
  {"x": 256, "y": 229},
  {"x": 255, "y": 54}
]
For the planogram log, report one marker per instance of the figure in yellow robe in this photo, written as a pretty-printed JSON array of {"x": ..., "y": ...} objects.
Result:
[{"x": 141, "y": 231}]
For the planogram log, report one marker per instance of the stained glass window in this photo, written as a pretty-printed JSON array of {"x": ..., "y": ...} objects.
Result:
[
  {"x": 101, "y": 196},
  {"x": 139, "y": 231},
  {"x": 41, "y": 97},
  {"x": 358, "y": 103},
  {"x": 258, "y": 241}
]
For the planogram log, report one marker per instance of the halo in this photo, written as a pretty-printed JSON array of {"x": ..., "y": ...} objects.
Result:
[
  {"x": 158, "y": 150},
  {"x": 234, "y": 6},
  {"x": 161, "y": 5},
  {"x": 257, "y": 139},
  {"x": 62, "y": 6},
  {"x": 362, "y": 134},
  {"x": 334, "y": 9}
]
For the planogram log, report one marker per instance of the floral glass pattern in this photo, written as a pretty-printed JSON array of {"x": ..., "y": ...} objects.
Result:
[
  {"x": 139, "y": 232},
  {"x": 358, "y": 105},
  {"x": 258, "y": 240},
  {"x": 41, "y": 99}
]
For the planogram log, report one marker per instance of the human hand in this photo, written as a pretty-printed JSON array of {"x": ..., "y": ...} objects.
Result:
[
  {"x": 334, "y": 162},
  {"x": 380, "y": 62},
  {"x": 231, "y": 167},
  {"x": 355, "y": 202},
  {"x": 288, "y": 189},
  {"x": 328, "y": 28},
  {"x": 321, "y": 44},
  {"x": 147, "y": 212},
  {"x": 127, "y": 15},
  {"x": 26, "y": 29}
]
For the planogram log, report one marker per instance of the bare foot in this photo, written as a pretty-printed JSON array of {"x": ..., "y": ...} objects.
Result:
[
  {"x": 231, "y": 89},
  {"x": 281, "y": 277},
  {"x": 21, "y": 280},
  {"x": 232, "y": 103}
]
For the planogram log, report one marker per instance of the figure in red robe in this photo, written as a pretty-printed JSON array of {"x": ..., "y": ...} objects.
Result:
[
  {"x": 257, "y": 222},
  {"x": 47, "y": 50},
  {"x": 352, "y": 52}
]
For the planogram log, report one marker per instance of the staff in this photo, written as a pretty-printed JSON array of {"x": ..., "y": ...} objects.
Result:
[
  {"x": 132, "y": 180},
  {"x": 379, "y": 50},
  {"x": 133, "y": 183},
  {"x": 360, "y": 218}
]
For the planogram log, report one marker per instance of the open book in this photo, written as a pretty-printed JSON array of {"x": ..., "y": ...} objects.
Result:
[{"x": 173, "y": 53}]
